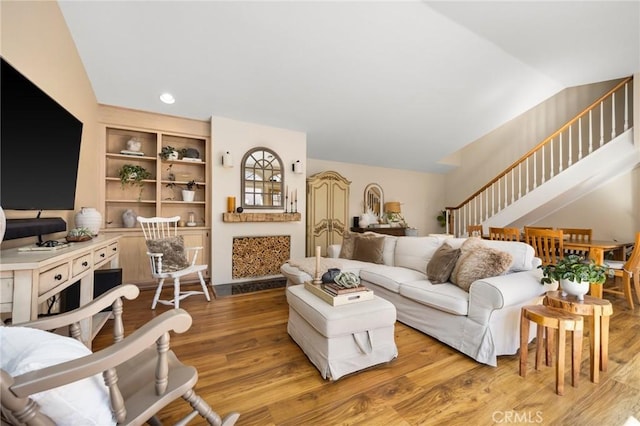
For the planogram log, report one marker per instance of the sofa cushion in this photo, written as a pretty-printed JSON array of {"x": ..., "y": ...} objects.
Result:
[
  {"x": 348, "y": 241},
  {"x": 442, "y": 263},
  {"x": 369, "y": 248},
  {"x": 478, "y": 261},
  {"x": 415, "y": 252},
  {"x": 523, "y": 254},
  {"x": 389, "y": 277},
  {"x": 445, "y": 297}
]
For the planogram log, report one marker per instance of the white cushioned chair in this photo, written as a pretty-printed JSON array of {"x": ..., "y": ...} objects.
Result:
[{"x": 169, "y": 258}]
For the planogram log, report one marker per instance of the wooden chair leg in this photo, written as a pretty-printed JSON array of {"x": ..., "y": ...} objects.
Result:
[
  {"x": 524, "y": 338},
  {"x": 176, "y": 293},
  {"x": 550, "y": 347},
  {"x": 204, "y": 286},
  {"x": 626, "y": 288},
  {"x": 540, "y": 345},
  {"x": 156, "y": 297}
]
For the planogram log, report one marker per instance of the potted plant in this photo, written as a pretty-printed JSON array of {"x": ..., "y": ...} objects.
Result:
[
  {"x": 574, "y": 274},
  {"x": 79, "y": 234},
  {"x": 169, "y": 153},
  {"x": 188, "y": 191},
  {"x": 134, "y": 175}
]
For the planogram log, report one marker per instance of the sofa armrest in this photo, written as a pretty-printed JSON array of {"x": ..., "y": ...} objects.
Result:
[
  {"x": 489, "y": 294},
  {"x": 333, "y": 250}
]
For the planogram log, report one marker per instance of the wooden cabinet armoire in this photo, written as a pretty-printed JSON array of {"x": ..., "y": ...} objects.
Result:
[{"x": 327, "y": 210}]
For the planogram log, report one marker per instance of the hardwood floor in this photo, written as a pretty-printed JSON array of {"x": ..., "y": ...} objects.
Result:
[{"x": 248, "y": 363}]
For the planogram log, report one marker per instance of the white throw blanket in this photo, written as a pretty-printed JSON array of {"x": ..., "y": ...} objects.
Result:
[{"x": 308, "y": 264}]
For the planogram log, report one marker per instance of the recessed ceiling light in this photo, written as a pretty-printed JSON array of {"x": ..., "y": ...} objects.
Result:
[{"x": 167, "y": 98}]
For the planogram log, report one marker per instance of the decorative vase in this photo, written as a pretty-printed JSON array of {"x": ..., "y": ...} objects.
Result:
[
  {"x": 173, "y": 156},
  {"x": 574, "y": 288},
  {"x": 364, "y": 220},
  {"x": 89, "y": 218},
  {"x": 134, "y": 145},
  {"x": 129, "y": 218},
  {"x": 188, "y": 195}
]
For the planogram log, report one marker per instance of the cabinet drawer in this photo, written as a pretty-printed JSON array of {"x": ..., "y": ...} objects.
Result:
[
  {"x": 81, "y": 264},
  {"x": 100, "y": 255},
  {"x": 53, "y": 278},
  {"x": 113, "y": 249}
]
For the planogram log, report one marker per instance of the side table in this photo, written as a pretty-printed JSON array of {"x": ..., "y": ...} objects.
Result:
[{"x": 598, "y": 310}]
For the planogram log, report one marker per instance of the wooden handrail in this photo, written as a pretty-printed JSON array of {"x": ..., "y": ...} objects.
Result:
[{"x": 544, "y": 142}]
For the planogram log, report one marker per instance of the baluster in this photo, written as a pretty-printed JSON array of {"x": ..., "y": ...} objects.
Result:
[
  {"x": 560, "y": 163},
  {"x": 601, "y": 123},
  {"x": 570, "y": 148},
  {"x": 626, "y": 107},
  {"x": 499, "y": 205},
  {"x": 519, "y": 181},
  {"x": 542, "y": 169},
  {"x": 493, "y": 199},
  {"x": 513, "y": 185},
  {"x": 551, "y": 168},
  {"x": 506, "y": 191},
  {"x": 579, "y": 138},
  {"x": 590, "y": 131},
  {"x": 535, "y": 168},
  {"x": 613, "y": 116},
  {"x": 527, "y": 172}
]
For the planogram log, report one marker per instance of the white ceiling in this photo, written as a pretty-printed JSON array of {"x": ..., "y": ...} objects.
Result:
[{"x": 400, "y": 84}]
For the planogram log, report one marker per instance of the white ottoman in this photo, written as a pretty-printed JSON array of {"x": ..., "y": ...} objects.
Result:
[{"x": 343, "y": 339}]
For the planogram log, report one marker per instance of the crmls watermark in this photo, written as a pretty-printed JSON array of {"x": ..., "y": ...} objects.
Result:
[{"x": 512, "y": 416}]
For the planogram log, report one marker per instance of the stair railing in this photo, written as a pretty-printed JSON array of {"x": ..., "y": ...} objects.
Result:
[{"x": 592, "y": 128}]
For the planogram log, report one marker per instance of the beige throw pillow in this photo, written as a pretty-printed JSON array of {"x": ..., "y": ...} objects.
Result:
[
  {"x": 174, "y": 256},
  {"x": 477, "y": 261},
  {"x": 369, "y": 248},
  {"x": 442, "y": 263},
  {"x": 348, "y": 241}
]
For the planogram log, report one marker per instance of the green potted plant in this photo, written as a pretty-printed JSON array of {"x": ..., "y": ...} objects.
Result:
[
  {"x": 134, "y": 175},
  {"x": 574, "y": 274},
  {"x": 188, "y": 189},
  {"x": 169, "y": 153},
  {"x": 79, "y": 234}
]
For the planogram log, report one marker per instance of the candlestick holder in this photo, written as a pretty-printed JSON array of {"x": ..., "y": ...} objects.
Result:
[
  {"x": 286, "y": 203},
  {"x": 318, "y": 278}
]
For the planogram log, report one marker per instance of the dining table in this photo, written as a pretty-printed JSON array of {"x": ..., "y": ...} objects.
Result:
[{"x": 597, "y": 250}]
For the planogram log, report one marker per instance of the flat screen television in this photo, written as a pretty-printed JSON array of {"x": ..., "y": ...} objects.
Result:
[{"x": 39, "y": 147}]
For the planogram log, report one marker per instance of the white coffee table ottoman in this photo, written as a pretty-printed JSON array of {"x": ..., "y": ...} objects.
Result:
[{"x": 343, "y": 339}]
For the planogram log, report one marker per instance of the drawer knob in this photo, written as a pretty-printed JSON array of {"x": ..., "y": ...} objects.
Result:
[
  {"x": 58, "y": 277},
  {"x": 102, "y": 255},
  {"x": 85, "y": 263},
  {"x": 114, "y": 249}
]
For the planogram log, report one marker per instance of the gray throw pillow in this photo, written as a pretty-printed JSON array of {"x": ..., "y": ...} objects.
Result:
[
  {"x": 368, "y": 249},
  {"x": 441, "y": 264},
  {"x": 174, "y": 256}
]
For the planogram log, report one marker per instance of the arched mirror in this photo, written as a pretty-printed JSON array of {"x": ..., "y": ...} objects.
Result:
[
  {"x": 262, "y": 179},
  {"x": 373, "y": 199}
]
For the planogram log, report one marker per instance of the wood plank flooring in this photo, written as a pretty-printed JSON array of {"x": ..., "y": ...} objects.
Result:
[{"x": 248, "y": 363}]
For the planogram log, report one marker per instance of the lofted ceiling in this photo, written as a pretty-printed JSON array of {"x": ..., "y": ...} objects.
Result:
[{"x": 399, "y": 84}]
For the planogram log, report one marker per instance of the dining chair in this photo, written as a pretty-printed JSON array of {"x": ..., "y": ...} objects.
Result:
[
  {"x": 504, "y": 234},
  {"x": 626, "y": 271},
  {"x": 579, "y": 235},
  {"x": 474, "y": 230},
  {"x": 169, "y": 258},
  {"x": 547, "y": 243}
]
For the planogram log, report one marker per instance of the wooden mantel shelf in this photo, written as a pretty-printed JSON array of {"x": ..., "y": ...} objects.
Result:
[{"x": 261, "y": 217}]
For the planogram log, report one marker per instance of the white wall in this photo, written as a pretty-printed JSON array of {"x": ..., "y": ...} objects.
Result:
[
  {"x": 238, "y": 137},
  {"x": 421, "y": 194}
]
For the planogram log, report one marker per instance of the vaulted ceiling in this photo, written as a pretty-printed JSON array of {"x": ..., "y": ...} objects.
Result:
[{"x": 393, "y": 84}]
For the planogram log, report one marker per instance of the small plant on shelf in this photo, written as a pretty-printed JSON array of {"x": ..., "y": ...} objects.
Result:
[
  {"x": 169, "y": 153},
  {"x": 79, "y": 234},
  {"x": 133, "y": 175}
]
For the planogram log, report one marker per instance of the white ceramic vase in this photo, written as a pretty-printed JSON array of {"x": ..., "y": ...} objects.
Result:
[
  {"x": 89, "y": 218},
  {"x": 129, "y": 218},
  {"x": 188, "y": 195},
  {"x": 574, "y": 288}
]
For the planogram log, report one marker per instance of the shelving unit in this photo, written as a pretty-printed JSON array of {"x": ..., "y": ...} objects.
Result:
[{"x": 160, "y": 195}]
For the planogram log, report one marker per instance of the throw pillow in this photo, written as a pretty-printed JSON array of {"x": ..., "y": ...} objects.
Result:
[
  {"x": 174, "y": 256},
  {"x": 348, "y": 241},
  {"x": 442, "y": 263},
  {"x": 84, "y": 402},
  {"x": 477, "y": 261},
  {"x": 369, "y": 249}
]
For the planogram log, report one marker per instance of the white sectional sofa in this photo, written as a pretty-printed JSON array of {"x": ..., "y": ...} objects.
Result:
[{"x": 482, "y": 323}]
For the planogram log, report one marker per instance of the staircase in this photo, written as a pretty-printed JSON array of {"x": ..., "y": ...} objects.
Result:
[{"x": 590, "y": 150}]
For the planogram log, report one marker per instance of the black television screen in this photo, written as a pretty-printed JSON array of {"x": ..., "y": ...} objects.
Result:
[{"x": 39, "y": 147}]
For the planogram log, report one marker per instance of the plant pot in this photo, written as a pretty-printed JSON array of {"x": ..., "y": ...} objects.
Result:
[
  {"x": 574, "y": 288},
  {"x": 188, "y": 195},
  {"x": 173, "y": 155}
]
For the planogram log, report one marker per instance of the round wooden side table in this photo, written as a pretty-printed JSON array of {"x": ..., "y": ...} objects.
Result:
[{"x": 598, "y": 312}]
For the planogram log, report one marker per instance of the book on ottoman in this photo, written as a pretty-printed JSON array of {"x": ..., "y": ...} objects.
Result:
[{"x": 340, "y": 299}]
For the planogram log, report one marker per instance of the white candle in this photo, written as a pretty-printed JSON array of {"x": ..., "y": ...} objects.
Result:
[{"x": 317, "y": 260}]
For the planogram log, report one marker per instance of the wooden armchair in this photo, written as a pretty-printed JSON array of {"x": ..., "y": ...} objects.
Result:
[
  {"x": 504, "y": 234},
  {"x": 474, "y": 230},
  {"x": 580, "y": 235},
  {"x": 547, "y": 243},
  {"x": 132, "y": 380}
]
